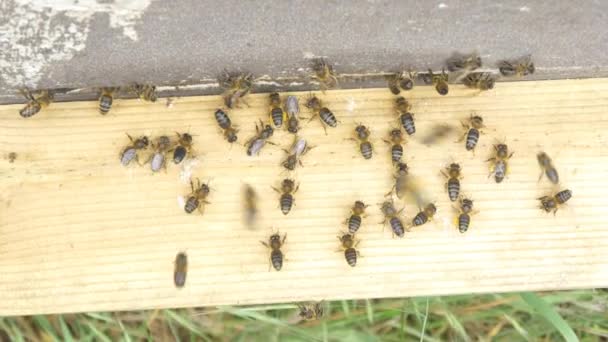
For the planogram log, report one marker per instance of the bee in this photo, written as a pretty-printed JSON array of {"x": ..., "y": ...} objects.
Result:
[
  {"x": 275, "y": 242},
  {"x": 439, "y": 81},
  {"x": 391, "y": 215},
  {"x": 437, "y": 133},
  {"x": 552, "y": 203},
  {"x": 35, "y": 102},
  {"x": 251, "y": 206},
  {"x": 288, "y": 188},
  {"x": 479, "y": 80},
  {"x": 197, "y": 198},
  {"x": 310, "y": 312},
  {"x": 298, "y": 149},
  {"x": 184, "y": 147},
  {"x": 106, "y": 97},
  {"x": 277, "y": 115},
  {"x": 401, "y": 180},
  {"x": 292, "y": 108},
  {"x": 424, "y": 215},
  {"x": 547, "y": 168},
  {"x": 354, "y": 221},
  {"x": 402, "y": 105},
  {"x": 464, "y": 218},
  {"x": 365, "y": 146},
  {"x": 256, "y": 143},
  {"x": 145, "y": 92},
  {"x": 453, "y": 184},
  {"x": 463, "y": 62},
  {"x": 499, "y": 162},
  {"x": 348, "y": 244},
  {"x": 237, "y": 86},
  {"x": 396, "y": 139},
  {"x": 326, "y": 116},
  {"x": 517, "y": 67},
  {"x": 406, "y": 118},
  {"x": 472, "y": 131},
  {"x": 223, "y": 120},
  {"x": 129, "y": 153},
  {"x": 181, "y": 270},
  {"x": 324, "y": 72},
  {"x": 400, "y": 81},
  {"x": 157, "y": 160}
]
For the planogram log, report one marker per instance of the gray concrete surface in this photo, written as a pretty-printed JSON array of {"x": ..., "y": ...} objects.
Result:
[{"x": 88, "y": 43}]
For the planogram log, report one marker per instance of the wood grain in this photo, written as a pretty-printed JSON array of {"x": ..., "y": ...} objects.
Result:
[{"x": 79, "y": 232}]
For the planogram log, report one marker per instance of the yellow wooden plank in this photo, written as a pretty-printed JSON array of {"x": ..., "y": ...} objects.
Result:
[{"x": 79, "y": 232}]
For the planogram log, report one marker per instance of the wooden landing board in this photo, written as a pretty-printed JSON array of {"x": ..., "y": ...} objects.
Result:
[{"x": 79, "y": 232}]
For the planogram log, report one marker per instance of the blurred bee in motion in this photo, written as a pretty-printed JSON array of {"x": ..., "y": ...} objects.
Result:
[
  {"x": 324, "y": 73},
  {"x": 424, "y": 215},
  {"x": 197, "y": 199},
  {"x": 452, "y": 173},
  {"x": 436, "y": 134},
  {"x": 326, "y": 116},
  {"x": 396, "y": 138},
  {"x": 106, "y": 98},
  {"x": 547, "y": 168},
  {"x": 157, "y": 159},
  {"x": 223, "y": 120},
  {"x": 129, "y": 153},
  {"x": 292, "y": 108},
  {"x": 236, "y": 87},
  {"x": 251, "y": 206},
  {"x": 349, "y": 245},
  {"x": 498, "y": 163},
  {"x": 365, "y": 146},
  {"x": 183, "y": 148},
  {"x": 35, "y": 102},
  {"x": 400, "y": 81},
  {"x": 310, "y": 312},
  {"x": 275, "y": 242},
  {"x": 463, "y": 62},
  {"x": 181, "y": 270},
  {"x": 552, "y": 203},
  {"x": 391, "y": 215},
  {"x": 263, "y": 133},
  {"x": 288, "y": 188},
  {"x": 439, "y": 81},
  {"x": 145, "y": 92},
  {"x": 277, "y": 115},
  {"x": 517, "y": 67},
  {"x": 472, "y": 131},
  {"x": 464, "y": 218},
  {"x": 479, "y": 80},
  {"x": 401, "y": 180},
  {"x": 354, "y": 221},
  {"x": 405, "y": 117}
]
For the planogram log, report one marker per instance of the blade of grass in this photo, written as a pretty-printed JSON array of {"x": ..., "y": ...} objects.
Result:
[
  {"x": 125, "y": 333},
  {"x": 549, "y": 314},
  {"x": 457, "y": 326},
  {"x": 370, "y": 311},
  {"x": 191, "y": 326},
  {"x": 426, "y": 317},
  {"x": 65, "y": 331},
  {"x": 46, "y": 327},
  {"x": 96, "y": 332},
  {"x": 523, "y": 332}
]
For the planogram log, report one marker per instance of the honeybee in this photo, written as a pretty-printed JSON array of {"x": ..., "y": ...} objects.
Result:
[
  {"x": 396, "y": 139},
  {"x": 145, "y": 92},
  {"x": 463, "y": 62},
  {"x": 439, "y": 81},
  {"x": 517, "y": 67},
  {"x": 424, "y": 215},
  {"x": 464, "y": 218},
  {"x": 157, "y": 159},
  {"x": 298, "y": 149},
  {"x": 277, "y": 115},
  {"x": 349, "y": 245},
  {"x": 365, "y": 146},
  {"x": 479, "y": 80},
  {"x": 223, "y": 120},
  {"x": 401, "y": 180},
  {"x": 326, "y": 116},
  {"x": 472, "y": 131},
  {"x": 354, "y": 221},
  {"x": 405, "y": 117},
  {"x": 183, "y": 148},
  {"x": 181, "y": 270},
  {"x": 129, "y": 153},
  {"x": 35, "y": 102},
  {"x": 197, "y": 198},
  {"x": 402, "y": 105},
  {"x": 552, "y": 203},
  {"x": 288, "y": 188},
  {"x": 400, "y": 81},
  {"x": 292, "y": 108},
  {"x": 547, "y": 168},
  {"x": 452, "y": 173},
  {"x": 256, "y": 143},
  {"x": 498, "y": 163},
  {"x": 251, "y": 205},
  {"x": 436, "y": 134},
  {"x": 324, "y": 73},
  {"x": 391, "y": 215},
  {"x": 236, "y": 87},
  {"x": 275, "y": 242},
  {"x": 310, "y": 312},
  {"x": 106, "y": 97}
]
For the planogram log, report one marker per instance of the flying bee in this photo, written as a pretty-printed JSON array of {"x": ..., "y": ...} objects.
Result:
[
  {"x": 275, "y": 242},
  {"x": 400, "y": 81},
  {"x": 472, "y": 131},
  {"x": 292, "y": 108},
  {"x": 424, "y": 215},
  {"x": 517, "y": 67},
  {"x": 157, "y": 159},
  {"x": 479, "y": 80},
  {"x": 324, "y": 73},
  {"x": 349, "y": 245},
  {"x": 499, "y": 162},
  {"x": 183, "y": 148},
  {"x": 197, "y": 199},
  {"x": 326, "y": 116},
  {"x": 35, "y": 102},
  {"x": 181, "y": 270},
  {"x": 310, "y": 312},
  {"x": 251, "y": 205},
  {"x": 106, "y": 97},
  {"x": 256, "y": 143},
  {"x": 145, "y": 92},
  {"x": 439, "y": 81},
  {"x": 288, "y": 188},
  {"x": 464, "y": 218},
  {"x": 552, "y": 203},
  {"x": 436, "y": 134},
  {"x": 354, "y": 221},
  {"x": 129, "y": 153},
  {"x": 452, "y": 173},
  {"x": 391, "y": 215},
  {"x": 547, "y": 168},
  {"x": 365, "y": 147},
  {"x": 396, "y": 138},
  {"x": 463, "y": 62},
  {"x": 277, "y": 115},
  {"x": 223, "y": 120},
  {"x": 236, "y": 87}
]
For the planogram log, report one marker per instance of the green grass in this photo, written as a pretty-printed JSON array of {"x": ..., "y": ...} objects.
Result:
[{"x": 551, "y": 316}]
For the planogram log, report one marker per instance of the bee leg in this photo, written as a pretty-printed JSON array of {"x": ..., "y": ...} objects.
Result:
[
  {"x": 201, "y": 209},
  {"x": 324, "y": 129},
  {"x": 275, "y": 189},
  {"x": 265, "y": 244},
  {"x": 541, "y": 175}
]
